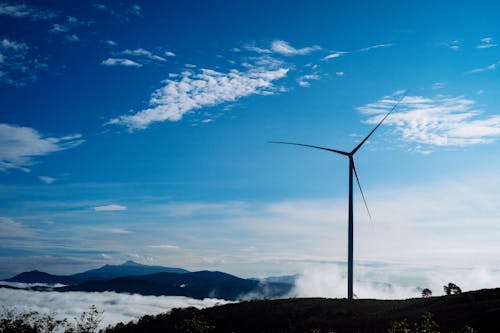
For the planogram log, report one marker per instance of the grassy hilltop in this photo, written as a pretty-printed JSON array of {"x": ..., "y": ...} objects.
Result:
[{"x": 478, "y": 309}]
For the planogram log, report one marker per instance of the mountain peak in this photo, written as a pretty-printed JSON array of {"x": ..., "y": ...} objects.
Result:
[{"x": 130, "y": 263}]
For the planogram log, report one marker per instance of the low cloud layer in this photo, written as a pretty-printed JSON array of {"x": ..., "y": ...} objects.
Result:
[
  {"x": 389, "y": 282},
  {"x": 117, "y": 307}
]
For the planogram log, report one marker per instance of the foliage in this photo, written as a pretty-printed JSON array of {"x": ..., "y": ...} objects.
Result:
[
  {"x": 452, "y": 289},
  {"x": 426, "y": 292},
  {"x": 12, "y": 321},
  {"x": 425, "y": 325}
]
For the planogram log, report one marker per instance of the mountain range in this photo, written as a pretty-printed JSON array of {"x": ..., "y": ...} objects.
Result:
[{"x": 131, "y": 277}]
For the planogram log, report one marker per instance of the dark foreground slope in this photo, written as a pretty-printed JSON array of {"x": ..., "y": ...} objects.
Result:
[{"x": 478, "y": 309}]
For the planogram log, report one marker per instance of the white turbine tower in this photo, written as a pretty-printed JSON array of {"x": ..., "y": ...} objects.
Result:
[{"x": 352, "y": 170}]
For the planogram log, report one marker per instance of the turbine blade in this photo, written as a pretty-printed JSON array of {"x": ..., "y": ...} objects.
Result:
[
  {"x": 311, "y": 146},
  {"x": 380, "y": 123},
  {"x": 360, "y": 189}
]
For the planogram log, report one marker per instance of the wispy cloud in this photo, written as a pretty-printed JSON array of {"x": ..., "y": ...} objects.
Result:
[
  {"x": 12, "y": 229},
  {"x": 164, "y": 247},
  {"x": 284, "y": 48},
  {"x": 109, "y": 208},
  {"x": 454, "y": 44},
  {"x": 281, "y": 47},
  {"x": 119, "y": 9},
  {"x": 120, "y": 62},
  {"x": 334, "y": 55},
  {"x": 192, "y": 91},
  {"x": 482, "y": 69},
  {"x": 20, "y": 146},
  {"x": 17, "y": 65},
  {"x": 304, "y": 80},
  {"x": 169, "y": 54},
  {"x": 22, "y": 10},
  {"x": 47, "y": 179},
  {"x": 142, "y": 53},
  {"x": 378, "y": 46},
  {"x": 436, "y": 121},
  {"x": 486, "y": 43}
]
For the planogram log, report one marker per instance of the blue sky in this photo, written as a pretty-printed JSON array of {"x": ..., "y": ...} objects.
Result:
[{"x": 138, "y": 130}]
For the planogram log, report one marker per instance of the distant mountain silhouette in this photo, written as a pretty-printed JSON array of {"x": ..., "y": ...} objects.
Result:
[
  {"x": 203, "y": 284},
  {"x": 106, "y": 272},
  {"x": 41, "y": 277},
  {"x": 129, "y": 268},
  {"x": 131, "y": 277}
]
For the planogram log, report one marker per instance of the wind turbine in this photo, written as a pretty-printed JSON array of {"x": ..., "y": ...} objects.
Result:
[{"x": 352, "y": 170}]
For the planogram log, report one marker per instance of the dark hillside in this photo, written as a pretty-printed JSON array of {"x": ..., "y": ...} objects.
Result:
[{"x": 478, "y": 309}]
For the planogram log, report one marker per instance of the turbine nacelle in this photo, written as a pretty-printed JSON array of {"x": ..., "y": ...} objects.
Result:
[{"x": 352, "y": 171}]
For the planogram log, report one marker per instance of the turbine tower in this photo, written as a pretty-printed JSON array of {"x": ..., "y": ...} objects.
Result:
[{"x": 352, "y": 171}]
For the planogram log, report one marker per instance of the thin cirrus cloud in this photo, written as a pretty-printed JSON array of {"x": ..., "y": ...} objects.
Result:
[
  {"x": 193, "y": 91},
  {"x": 483, "y": 69},
  {"x": 120, "y": 62},
  {"x": 486, "y": 43},
  {"x": 21, "y": 146},
  {"x": 378, "y": 46},
  {"x": 109, "y": 208},
  {"x": 22, "y": 10},
  {"x": 438, "y": 121},
  {"x": 333, "y": 55}
]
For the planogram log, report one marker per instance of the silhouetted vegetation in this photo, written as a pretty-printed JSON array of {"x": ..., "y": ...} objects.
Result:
[
  {"x": 452, "y": 289},
  {"x": 426, "y": 292},
  {"x": 34, "y": 322}
]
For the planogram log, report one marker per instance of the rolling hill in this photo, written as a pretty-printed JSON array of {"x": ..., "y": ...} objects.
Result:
[{"x": 478, "y": 309}]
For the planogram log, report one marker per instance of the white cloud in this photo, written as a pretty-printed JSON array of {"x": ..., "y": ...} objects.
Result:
[
  {"x": 169, "y": 54},
  {"x": 284, "y": 48},
  {"x": 111, "y": 42},
  {"x": 20, "y": 10},
  {"x": 140, "y": 52},
  {"x": 65, "y": 29},
  {"x": 193, "y": 91},
  {"x": 110, "y": 208},
  {"x": 339, "y": 73},
  {"x": 437, "y": 121},
  {"x": 47, "y": 179},
  {"x": 120, "y": 62},
  {"x": 17, "y": 66},
  {"x": 117, "y": 307},
  {"x": 19, "y": 146},
  {"x": 378, "y": 46},
  {"x": 333, "y": 55},
  {"x": 486, "y": 43},
  {"x": 482, "y": 69},
  {"x": 304, "y": 80}
]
